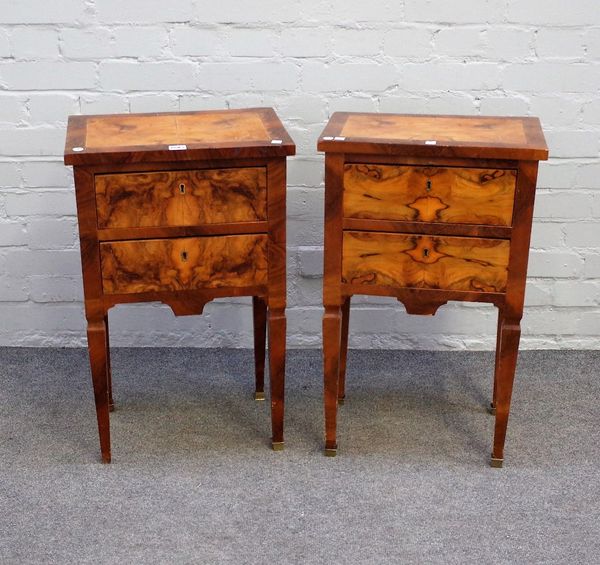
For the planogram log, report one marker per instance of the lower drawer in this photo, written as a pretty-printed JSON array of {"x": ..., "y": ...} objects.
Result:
[
  {"x": 156, "y": 265},
  {"x": 414, "y": 261}
]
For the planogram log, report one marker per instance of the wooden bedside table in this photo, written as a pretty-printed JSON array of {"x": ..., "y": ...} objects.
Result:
[
  {"x": 182, "y": 208},
  {"x": 427, "y": 209}
]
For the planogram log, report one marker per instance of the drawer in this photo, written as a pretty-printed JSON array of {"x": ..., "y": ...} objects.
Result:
[
  {"x": 449, "y": 263},
  {"x": 429, "y": 194},
  {"x": 181, "y": 198},
  {"x": 156, "y": 265}
]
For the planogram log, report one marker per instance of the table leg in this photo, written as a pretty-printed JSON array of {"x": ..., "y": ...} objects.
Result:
[
  {"x": 259, "y": 313},
  {"x": 111, "y": 402},
  {"x": 332, "y": 330},
  {"x": 277, "y": 333},
  {"x": 492, "y": 408},
  {"x": 98, "y": 351},
  {"x": 510, "y": 333},
  {"x": 343, "y": 350}
]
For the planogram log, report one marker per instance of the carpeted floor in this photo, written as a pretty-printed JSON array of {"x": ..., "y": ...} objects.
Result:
[{"x": 193, "y": 479}]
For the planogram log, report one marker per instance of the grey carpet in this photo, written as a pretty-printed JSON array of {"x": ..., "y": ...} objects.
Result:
[{"x": 193, "y": 479}]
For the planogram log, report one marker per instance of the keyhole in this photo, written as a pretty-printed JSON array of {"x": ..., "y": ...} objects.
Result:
[
  {"x": 184, "y": 256},
  {"x": 425, "y": 252},
  {"x": 428, "y": 186},
  {"x": 182, "y": 188}
]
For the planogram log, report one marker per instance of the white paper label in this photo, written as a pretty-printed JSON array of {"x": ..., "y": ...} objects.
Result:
[
  {"x": 177, "y": 147},
  {"x": 339, "y": 138},
  {"x": 276, "y": 142},
  {"x": 328, "y": 138},
  {"x": 431, "y": 142},
  {"x": 77, "y": 149}
]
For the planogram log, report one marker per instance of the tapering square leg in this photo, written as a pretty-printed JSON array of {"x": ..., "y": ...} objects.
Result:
[
  {"x": 111, "y": 402},
  {"x": 277, "y": 332},
  {"x": 332, "y": 330},
  {"x": 344, "y": 350},
  {"x": 259, "y": 311},
  {"x": 98, "y": 351},
  {"x": 492, "y": 408}
]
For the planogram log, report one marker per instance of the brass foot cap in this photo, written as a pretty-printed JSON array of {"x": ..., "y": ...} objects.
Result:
[
  {"x": 492, "y": 409},
  {"x": 259, "y": 395},
  {"x": 106, "y": 459},
  {"x": 277, "y": 445},
  {"x": 330, "y": 452},
  {"x": 497, "y": 463},
  {"x": 341, "y": 401}
]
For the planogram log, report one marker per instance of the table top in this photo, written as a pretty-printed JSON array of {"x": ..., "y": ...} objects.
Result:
[
  {"x": 490, "y": 137},
  {"x": 215, "y": 134}
]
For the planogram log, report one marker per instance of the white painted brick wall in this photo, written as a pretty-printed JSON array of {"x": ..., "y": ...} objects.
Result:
[{"x": 306, "y": 59}]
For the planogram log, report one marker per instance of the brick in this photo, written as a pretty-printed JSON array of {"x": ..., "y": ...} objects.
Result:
[
  {"x": 554, "y": 264},
  {"x": 589, "y": 324},
  {"x": 591, "y": 268},
  {"x": 55, "y": 203},
  {"x": 154, "y": 103},
  {"x": 140, "y": 42},
  {"x": 509, "y": 44},
  {"x": 250, "y": 11},
  {"x": 555, "y": 111},
  {"x": 503, "y": 106},
  {"x": 357, "y": 42},
  {"x": 592, "y": 44},
  {"x": 588, "y": 175},
  {"x": 195, "y": 41},
  {"x": 352, "y": 76},
  {"x": 43, "y": 318},
  {"x": 251, "y": 42},
  {"x": 87, "y": 43},
  {"x": 13, "y": 289},
  {"x": 451, "y": 104},
  {"x": 13, "y": 109},
  {"x": 591, "y": 112},
  {"x": 52, "y": 108},
  {"x": 409, "y": 42},
  {"x": 453, "y": 76},
  {"x": 34, "y": 43},
  {"x": 12, "y": 233},
  {"x": 148, "y": 11},
  {"x": 301, "y": 172},
  {"x": 566, "y": 204},
  {"x": 56, "y": 289},
  {"x": 48, "y": 75},
  {"x": 545, "y": 322},
  {"x": 559, "y": 44},
  {"x": 35, "y": 12},
  {"x": 459, "y": 42},
  {"x": 538, "y": 294},
  {"x": 26, "y": 262},
  {"x": 556, "y": 174},
  {"x": 46, "y": 174},
  {"x": 388, "y": 10},
  {"x": 467, "y": 11},
  {"x": 545, "y": 235},
  {"x": 304, "y": 108},
  {"x": 104, "y": 103},
  {"x": 201, "y": 102},
  {"x": 5, "y": 50},
  {"x": 32, "y": 141},
  {"x": 583, "y": 234},
  {"x": 305, "y": 42},
  {"x": 551, "y": 12},
  {"x": 130, "y": 76},
  {"x": 576, "y": 293},
  {"x": 310, "y": 262},
  {"x": 52, "y": 234},
  {"x": 550, "y": 76},
  {"x": 247, "y": 76},
  {"x": 573, "y": 143},
  {"x": 404, "y": 104},
  {"x": 352, "y": 103},
  {"x": 10, "y": 175}
]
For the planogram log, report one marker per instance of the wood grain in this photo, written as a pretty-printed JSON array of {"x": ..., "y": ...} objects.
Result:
[
  {"x": 429, "y": 194},
  {"x": 181, "y": 198},
  {"x": 184, "y": 263},
  {"x": 452, "y": 263}
]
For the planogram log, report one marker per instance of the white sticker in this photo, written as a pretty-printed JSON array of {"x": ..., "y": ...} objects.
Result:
[
  {"x": 77, "y": 149},
  {"x": 328, "y": 138},
  {"x": 276, "y": 142},
  {"x": 339, "y": 138},
  {"x": 177, "y": 147},
  {"x": 431, "y": 142}
]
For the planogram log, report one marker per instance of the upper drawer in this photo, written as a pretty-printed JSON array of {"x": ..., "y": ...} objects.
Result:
[
  {"x": 429, "y": 194},
  {"x": 181, "y": 198}
]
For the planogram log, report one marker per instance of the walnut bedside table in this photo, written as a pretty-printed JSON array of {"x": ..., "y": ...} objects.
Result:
[
  {"x": 428, "y": 209},
  {"x": 182, "y": 208}
]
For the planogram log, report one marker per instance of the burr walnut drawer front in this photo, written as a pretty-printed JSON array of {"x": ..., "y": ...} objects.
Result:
[
  {"x": 181, "y": 198},
  {"x": 156, "y": 265},
  {"x": 414, "y": 261},
  {"x": 429, "y": 194}
]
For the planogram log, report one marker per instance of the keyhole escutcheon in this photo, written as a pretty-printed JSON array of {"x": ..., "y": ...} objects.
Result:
[
  {"x": 184, "y": 256},
  {"x": 428, "y": 186},
  {"x": 425, "y": 252},
  {"x": 182, "y": 188}
]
